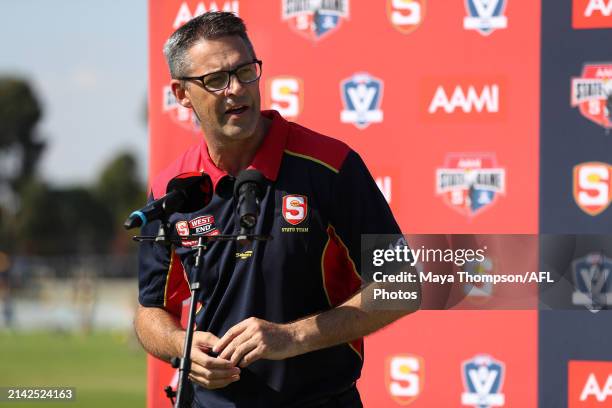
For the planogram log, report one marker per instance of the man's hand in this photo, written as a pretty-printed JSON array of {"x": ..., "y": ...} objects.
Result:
[
  {"x": 254, "y": 339},
  {"x": 208, "y": 371}
]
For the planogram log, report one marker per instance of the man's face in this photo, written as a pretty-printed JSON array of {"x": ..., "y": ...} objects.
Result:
[{"x": 231, "y": 114}]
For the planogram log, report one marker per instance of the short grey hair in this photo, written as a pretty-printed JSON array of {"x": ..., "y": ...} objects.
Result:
[{"x": 208, "y": 26}]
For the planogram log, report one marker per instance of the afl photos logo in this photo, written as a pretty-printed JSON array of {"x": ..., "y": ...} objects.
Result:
[{"x": 295, "y": 208}]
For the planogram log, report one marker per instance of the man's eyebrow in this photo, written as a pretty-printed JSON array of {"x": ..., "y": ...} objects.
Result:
[{"x": 228, "y": 69}]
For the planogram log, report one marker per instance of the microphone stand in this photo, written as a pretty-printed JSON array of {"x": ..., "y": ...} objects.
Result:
[{"x": 184, "y": 363}]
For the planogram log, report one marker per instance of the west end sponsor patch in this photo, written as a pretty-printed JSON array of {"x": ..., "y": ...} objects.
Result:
[{"x": 203, "y": 225}]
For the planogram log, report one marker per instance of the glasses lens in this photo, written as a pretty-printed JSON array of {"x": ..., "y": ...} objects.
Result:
[
  {"x": 249, "y": 73},
  {"x": 216, "y": 80}
]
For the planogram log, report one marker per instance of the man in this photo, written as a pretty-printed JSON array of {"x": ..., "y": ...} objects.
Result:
[{"x": 285, "y": 317}]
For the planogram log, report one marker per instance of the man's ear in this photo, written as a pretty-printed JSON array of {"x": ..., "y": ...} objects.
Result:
[{"x": 180, "y": 93}]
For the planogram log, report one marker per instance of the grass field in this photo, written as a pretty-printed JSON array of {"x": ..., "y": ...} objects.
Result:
[{"x": 106, "y": 369}]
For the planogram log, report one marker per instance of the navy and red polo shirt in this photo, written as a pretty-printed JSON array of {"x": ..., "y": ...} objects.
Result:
[{"x": 319, "y": 199}]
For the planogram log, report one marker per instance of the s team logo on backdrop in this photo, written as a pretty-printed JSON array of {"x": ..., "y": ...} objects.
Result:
[
  {"x": 285, "y": 94},
  {"x": 485, "y": 16},
  {"x": 184, "y": 117},
  {"x": 314, "y": 19},
  {"x": 483, "y": 379},
  {"x": 593, "y": 187},
  {"x": 404, "y": 377},
  {"x": 361, "y": 99},
  {"x": 469, "y": 183},
  {"x": 592, "y": 281},
  {"x": 589, "y": 384},
  {"x": 185, "y": 13},
  {"x": 592, "y": 14},
  {"x": 406, "y": 15},
  {"x": 592, "y": 93}
]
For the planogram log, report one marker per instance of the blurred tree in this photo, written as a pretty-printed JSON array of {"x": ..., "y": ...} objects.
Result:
[
  {"x": 20, "y": 150},
  {"x": 121, "y": 191},
  {"x": 20, "y": 112},
  {"x": 62, "y": 221}
]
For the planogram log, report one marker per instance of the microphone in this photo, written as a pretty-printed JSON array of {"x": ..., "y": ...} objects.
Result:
[
  {"x": 248, "y": 191},
  {"x": 187, "y": 192}
]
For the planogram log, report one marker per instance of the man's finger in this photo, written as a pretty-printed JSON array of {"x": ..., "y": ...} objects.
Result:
[
  {"x": 242, "y": 350},
  {"x": 236, "y": 342},
  {"x": 251, "y": 357},
  {"x": 206, "y": 361},
  {"x": 228, "y": 337},
  {"x": 212, "y": 384},
  {"x": 214, "y": 374}
]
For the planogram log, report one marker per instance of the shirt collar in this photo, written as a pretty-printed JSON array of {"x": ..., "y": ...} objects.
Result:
[{"x": 268, "y": 158}]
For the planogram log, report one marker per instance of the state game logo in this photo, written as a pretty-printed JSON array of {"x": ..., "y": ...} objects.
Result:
[
  {"x": 404, "y": 377},
  {"x": 592, "y": 93},
  {"x": 182, "y": 116},
  {"x": 591, "y": 14},
  {"x": 592, "y": 281},
  {"x": 203, "y": 225},
  {"x": 361, "y": 98},
  {"x": 285, "y": 94},
  {"x": 295, "y": 208},
  {"x": 314, "y": 19},
  {"x": 406, "y": 15},
  {"x": 593, "y": 187},
  {"x": 483, "y": 379},
  {"x": 485, "y": 16},
  {"x": 469, "y": 183},
  {"x": 589, "y": 384}
]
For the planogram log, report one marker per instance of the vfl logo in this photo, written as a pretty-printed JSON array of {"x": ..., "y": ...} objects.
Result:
[
  {"x": 406, "y": 15},
  {"x": 592, "y": 14},
  {"x": 592, "y": 281},
  {"x": 589, "y": 384},
  {"x": 182, "y": 116},
  {"x": 184, "y": 13},
  {"x": 295, "y": 208},
  {"x": 361, "y": 98},
  {"x": 592, "y": 93},
  {"x": 593, "y": 187},
  {"x": 285, "y": 94},
  {"x": 470, "y": 183},
  {"x": 404, "y": 377},
  {"x": 314, "y": 19},
  {"x": 485, "y": 15},
  {"x": 483, "y": 378}
]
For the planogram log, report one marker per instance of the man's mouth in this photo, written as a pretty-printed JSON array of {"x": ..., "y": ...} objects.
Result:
[{"x": 236, "y": 110}]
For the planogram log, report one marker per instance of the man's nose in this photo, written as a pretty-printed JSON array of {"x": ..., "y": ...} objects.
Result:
[{"x": 234, "y": 86}]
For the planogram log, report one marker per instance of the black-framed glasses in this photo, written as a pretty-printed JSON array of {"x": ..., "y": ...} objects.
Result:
[{"x": 219, "y": 80}]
